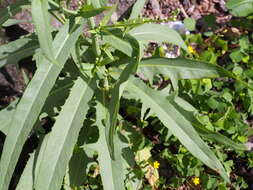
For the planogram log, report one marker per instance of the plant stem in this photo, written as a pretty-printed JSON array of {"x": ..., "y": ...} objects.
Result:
[
  {"x": 57, "y": 17},
  {"x": 136, "y": 23},
  {"x": 95, "y": 44},
  {"x": 56, "y": 5}
]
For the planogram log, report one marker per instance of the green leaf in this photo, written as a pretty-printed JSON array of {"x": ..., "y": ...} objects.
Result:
[
  {"x": 13, "y": 52},
  {"x": 29, "y": 174},
  {"x": 220, "y": 138},
  {"x": 181, "y": 68},
  {"x": 113, "y": 106},
  {"x": 61, "y": 89},
  {"x": 63, "y": 137},
  {"x": 88, "y": 11},
  {"x": 159, "y": 33},
  {"x": 40, "y": 18},
  {"x": 190, "y": 24},
  {"x": 240, "y": 7},
  {"x": 137, "y": 8},
  {"x": 118, "y": 43},
  {"x": 99, "y": 3},
  {"x": 107, "y": 17},
  {"x": 6, "y": 115},
  {"x": 11, "y": 10},
  {"x": 235, "y": 3},
  {"x": 111, "y": 170},
  {"x": 11, "y": 22},
  {"x": 32, "y": 102},
  {"x": 77, "y": 168},
  {"x": 116, "y": 93},
  {"x": 176, "y": 123},
  {"x": 27, "y": 177},
  {"x": 183, "y": 107}
]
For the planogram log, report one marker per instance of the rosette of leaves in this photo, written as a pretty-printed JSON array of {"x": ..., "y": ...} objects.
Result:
[{"x": 99, "y": 69}]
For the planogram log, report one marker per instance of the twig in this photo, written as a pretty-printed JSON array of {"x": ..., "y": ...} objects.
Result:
[{"x": 183, "y": 11}]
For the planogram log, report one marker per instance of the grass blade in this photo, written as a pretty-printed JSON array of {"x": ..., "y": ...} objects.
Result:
[
  {"x": 32, "y": 102},
  {"x": 177, "y": 124}
]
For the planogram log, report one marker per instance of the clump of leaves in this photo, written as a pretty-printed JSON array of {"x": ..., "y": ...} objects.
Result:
[{"x": 79, "y": 82}]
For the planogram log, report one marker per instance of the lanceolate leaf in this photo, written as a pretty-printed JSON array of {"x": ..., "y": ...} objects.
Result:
[
  {"x": 220, "y": 138},
  {"x": 16, "y": 50},
  {"x": 118, "y": 43},
  {"x": 111, "y": 170},
  {"x": 11, "y": 22},
  {"x": 116, "y": 93},
  {"x": 113, "y": 106},
  {"x": 181, "y": 68},
  {"x": 27, "y": 179},
  {"x": 40, "y": 17},
  {"x": 63, "y": 137},
  {"x": 177, "y": 124},
  {"x": 89, "y": 11},
  {"x": 183, "y": 107},
  {"x": 11, "y": 10},
  {"x": 159, "y": 33},
  {"x": 32, "y": 102},
  {"x": 137, "y": 8}
]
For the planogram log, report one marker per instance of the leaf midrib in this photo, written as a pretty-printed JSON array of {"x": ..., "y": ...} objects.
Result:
[
  {"x": 175, "y": 66},
  {"x": 164, "y": 112},
  {"x": 66, "y": 134}
]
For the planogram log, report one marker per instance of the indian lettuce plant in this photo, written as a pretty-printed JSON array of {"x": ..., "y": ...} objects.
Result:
[{"x": 81, "y": 72}]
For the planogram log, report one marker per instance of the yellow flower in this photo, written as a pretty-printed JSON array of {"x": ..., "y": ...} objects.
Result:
[
  {"x": 156, "y": 164},
  {"x": 192, "y": 50},
  {"x": 196, "y": 181}
]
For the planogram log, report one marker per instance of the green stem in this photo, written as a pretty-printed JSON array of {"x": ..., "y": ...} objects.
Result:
[
  {"x": 95, "y": 44},
  {"x": 56, "y": 5},
  {"x": 57, "y": 17},
  {"x": 117, "y": 25}
]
